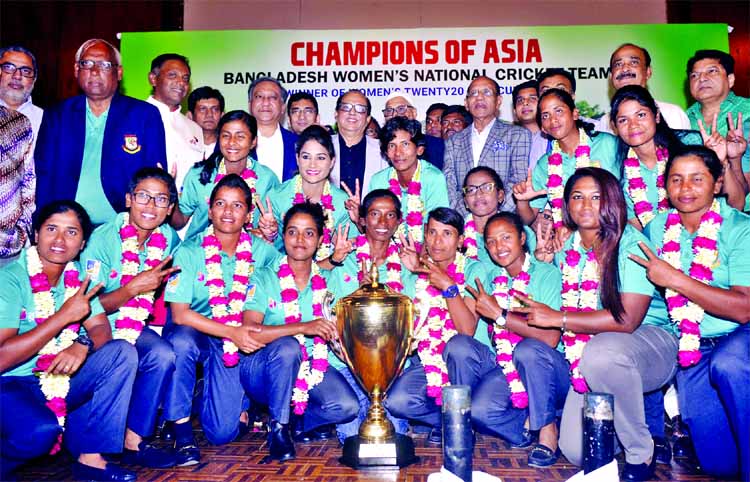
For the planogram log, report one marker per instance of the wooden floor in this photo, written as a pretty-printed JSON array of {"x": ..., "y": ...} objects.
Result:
[{"x": 318, "y": 462}]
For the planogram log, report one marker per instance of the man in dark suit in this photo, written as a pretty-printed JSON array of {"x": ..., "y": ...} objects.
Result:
[
  {"x": 488, "y": 141},
  {"x": 90, "y": 145},
  {"x": 266, "y": 98}
]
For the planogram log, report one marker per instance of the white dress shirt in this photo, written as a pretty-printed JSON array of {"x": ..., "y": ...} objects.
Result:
[
  {"x": 270, "y": 152},
  {"x": 478, "y": 139}
]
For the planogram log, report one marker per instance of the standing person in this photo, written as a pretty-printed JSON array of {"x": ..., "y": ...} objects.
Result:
[
  {"x": 645, "y": 141},
  {"x": 284, "y": 315},
  {"x": 358, "y": 155},
  {"x": 238, "y": 134},
  {"x": 455, "y": 119},
  {"x": 206, "y": 301},
  {"x": 17, "y": 183},
  {"x": 84, "y": 378},
  {"x": 483, "y": 195},
  {"x": 575, "y": 145},
  {"x": 711, "y": 78},
  {"x": 616, "y": 338},
  {"x": 90, "y": 145},
  {"x": 452, "y": 345},
  {"x": 702, "y": 264},
  {"x": 401, "y": 104},
  {"x": 432, "y": 121},
  {"x": 531, "y": 377},
  {"x": 276, "y": 145},
  {"x": 205, "y": 108},
  {"x": 18, "y": 73},
  {"x": 315, "y": 158},
  {"x": 489, "y": 142},
  {"x": 630, "y": 64},
  {"x": 170, "y": 79},
  {"x": 419, "y": 185},
  {"x": 130, "y": 255},
  {"x": 302, "y": 111},
  {"x": 525, "y": 103}
]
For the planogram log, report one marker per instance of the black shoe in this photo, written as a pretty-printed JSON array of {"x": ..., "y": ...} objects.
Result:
[
  {"x": 150, "y": 456},
  {"x": 639, "y": 471},
  {"x": 526, "y": 440},
  {"x": 280, "y": 444},
  {"x": 111, "y": 472},
  {"x": 319, "y": 433},
  {"x": 187, "y": 454},
  {"x": 542, "y": 456},
  {"x": 662, "y": 451},
  {"x": 435, "y": 437},
  {"x": 682, "y": 446},
  {"x": 164, "y": 431}
]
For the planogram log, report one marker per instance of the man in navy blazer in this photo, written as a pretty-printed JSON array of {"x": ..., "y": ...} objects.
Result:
[
  {"x": 90, "y": 145},
  {"x": 266, "y": 98}
]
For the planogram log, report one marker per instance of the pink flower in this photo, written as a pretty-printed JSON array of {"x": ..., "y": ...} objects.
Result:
[
  {"x": 414, "y": 218},
  {"x": 688, "y": 327},
  {"x": 582, "y": 151},
  {"x": 58, "y": 406},
  {"x": 414, "y": 188},
  {"x": 231, "y": 359},
  {"x": 288, "y": 295},
  {"x": 39, "y": 283},
  {"x": 631, "y": 162},
  {"x": 572, "y": 257},
  {"x": 703, "y": 242},
  {"x": 211, "y": 241},
  {"x": 701, "y": 272},
  {"x": 555, "y": 160},
  {"x": 671, "y": 247},
  {"x": 285, "y": 270},
  {"x": 327, "y": 201},
  {"x": 128, "y": 231},
  {"x": 556, "y": 202},
  {"x": 554, "y": 181},
  {"x": 43, "y": 362},
  {"x": 300, "y": 407},
  {"x": 158, "y": 241},
  {"x": 637, "y": 183},
  {"x": 300, "y": 384},
  {"x": 520, "y": 399},
  {"x": 689, "y": 358},
  {"x": 642, "y": 207},
  {"x": 320, "y": 365},
  {"x": 299, "y": 198},
  {"x": 318, "y": 282}
]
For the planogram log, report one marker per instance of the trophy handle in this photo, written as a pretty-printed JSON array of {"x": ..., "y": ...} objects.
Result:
[{"x": 336, "y": 344}]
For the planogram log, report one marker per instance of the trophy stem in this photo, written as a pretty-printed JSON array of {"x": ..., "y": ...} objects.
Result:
[{"x": 376, "y": 428}]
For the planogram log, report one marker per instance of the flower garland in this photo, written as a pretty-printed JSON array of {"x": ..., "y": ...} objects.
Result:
[
  {"x": 392, "y": 262},
  {"x": 583, "y": 296},
  {"x": 637, "y": 188},
  {"x": 433, "y": 331},
  {"x": 54, "y": 387},
  {"x": 326, "y": 200},
  {"x": 414, "y": 221},
  {"x": 555, "y": 182},
  {"x": 311, "y": 371},
  {"x": 250, "y": 178},
  {"x": 686, "y": 314},
  {"x": 505, "y": 340},
  {"x": 227, "y": 308},
  {"x": 470, "y": 238},
  {"x": 135, "y": 311}
]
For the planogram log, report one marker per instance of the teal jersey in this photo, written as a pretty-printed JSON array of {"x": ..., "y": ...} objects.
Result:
[
  {"x": 189, "y": 284},
  {"x": 17, "y": 309},
  {"x": 90, "y": 193},
  {"x": 545, "y": 284},
  {"x": 632, "y": 276},
  {"x": 264, "y": 296},
  {"x": 195, "y": 196},
  {"x": 603, "y": 149},
  {"x": 282, "y": 198},
  {"x": 732, "y": 267},
  {"x": 650, "y": 175},
  {"x": 433, "y": 194},
  {"x": 102, "y": 258}
]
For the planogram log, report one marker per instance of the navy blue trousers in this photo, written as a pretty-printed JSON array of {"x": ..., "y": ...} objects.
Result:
[
  {"x": 97, "y": 409},
  {"x": 156, "y": 362},
  {"x": 467, "y": 361},
  {"x": 714, "y": 400},
  {"x": 223, "y": 398},
  {"x": 544, "y": 373},
  {"x": 268, "y": 376}
]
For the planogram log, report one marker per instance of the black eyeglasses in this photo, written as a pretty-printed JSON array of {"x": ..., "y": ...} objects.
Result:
[
  {"x": 160, "y": 200},
  {"x": 103, "y": 65},
  {"x": 10, "y": 69},
  {"x": 400, "y": 110},
  {"x": 358, "y": 108}
]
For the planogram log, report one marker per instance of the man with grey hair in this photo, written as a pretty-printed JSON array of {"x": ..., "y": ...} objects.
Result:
[
  {"x": 266, "y": 98},
  {"x": 18, "y": 72},
  {"x": 90, "y": 145}
]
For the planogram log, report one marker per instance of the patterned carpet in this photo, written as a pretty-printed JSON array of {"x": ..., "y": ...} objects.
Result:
[{"x": 318, "y": 462}]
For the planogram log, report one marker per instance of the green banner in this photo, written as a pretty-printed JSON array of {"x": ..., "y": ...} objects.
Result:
[{"x": 432, "y": 65}]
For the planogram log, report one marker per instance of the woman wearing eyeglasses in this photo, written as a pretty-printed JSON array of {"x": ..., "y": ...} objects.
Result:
[
  {"x": 419, "y": 185},
  {"x": 483, "y": 195},
  {"x": 238, "y": 136},
  {"x": 575, "y": 145},
  {"x": 131, "y": 255}
]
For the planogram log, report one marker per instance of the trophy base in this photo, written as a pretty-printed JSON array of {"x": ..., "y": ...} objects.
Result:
[{"x": 358, "y": 455}]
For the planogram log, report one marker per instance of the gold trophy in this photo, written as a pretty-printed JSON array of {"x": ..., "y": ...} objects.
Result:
[{"x": 375, "y": 327}]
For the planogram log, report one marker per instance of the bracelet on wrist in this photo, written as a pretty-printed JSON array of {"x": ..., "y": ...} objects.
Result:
[{"x": 334, "y": 262}]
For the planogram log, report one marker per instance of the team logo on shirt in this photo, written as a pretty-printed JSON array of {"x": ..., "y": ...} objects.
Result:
[
  {"x": 131, "y": 145},
  {"x": 250, "y": 292},
  {"x": 92, "y": 268},
  {"x": 173, "y": 282}
]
